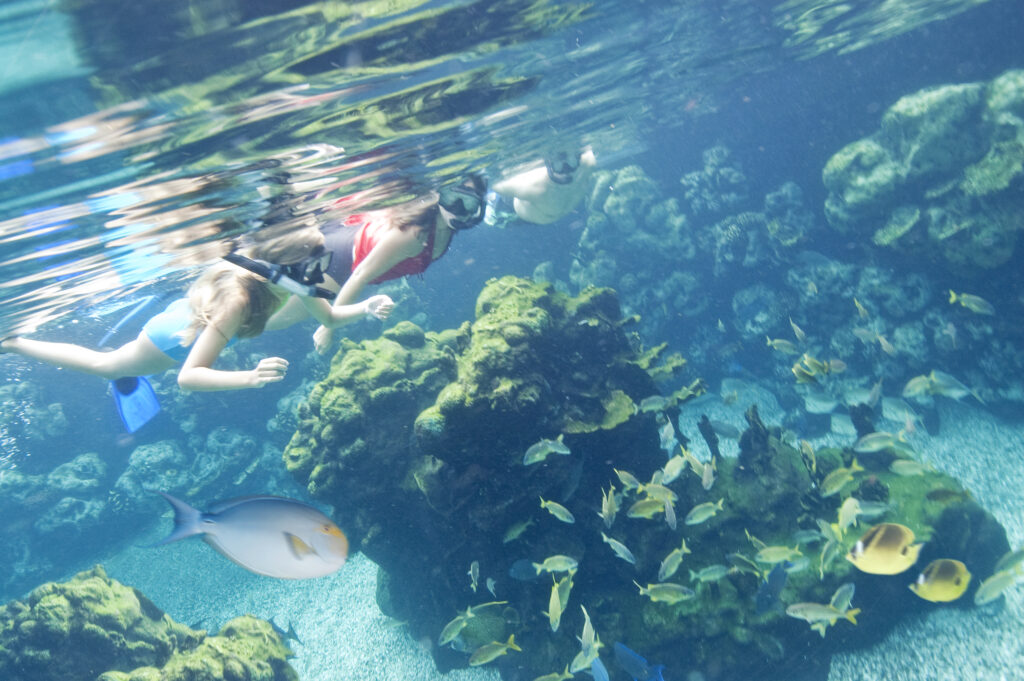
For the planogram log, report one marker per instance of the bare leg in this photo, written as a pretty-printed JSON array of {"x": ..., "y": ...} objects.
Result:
[{"x": 135, "y": 358}]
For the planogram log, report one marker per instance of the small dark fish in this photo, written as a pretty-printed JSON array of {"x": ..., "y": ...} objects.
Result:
[
  {"x": 285, "y": 635},
  {"x": 636, "y": 666},
  {"x": 768, "y": 592},
  {"x": 725, "y": 429},
  {"x": 945, "y": 496},
  {"x": 523, "y": 570}
]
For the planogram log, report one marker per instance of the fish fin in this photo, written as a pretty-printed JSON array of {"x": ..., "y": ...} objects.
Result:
[
  {"x": 511, "y": 643},
  {"x": 820, "y": 628},
  {"x": 952, "y": 297},
  {"x": 851, "y": 615},
  {"x": 299, "y": 548},
  {"x": 186, "y": 520}
]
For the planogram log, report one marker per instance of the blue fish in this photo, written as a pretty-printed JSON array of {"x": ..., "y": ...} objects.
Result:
[
  {"x": 768, "y": 592},
  {"x": 598, "y": 669},
  {"x": 270, "y": 536},
  {"x": 523, "y": 570},
  {"x": 636, "y": 666}
]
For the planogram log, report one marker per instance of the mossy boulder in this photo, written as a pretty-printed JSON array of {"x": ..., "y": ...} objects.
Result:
[
  {"x": 942, "y": 178},
  {"x": 94, "y": 627}
]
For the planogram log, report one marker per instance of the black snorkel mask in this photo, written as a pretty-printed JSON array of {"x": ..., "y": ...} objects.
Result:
[
  {"x": 300, "y": 278},
  {"x": 462, "y": 206}
]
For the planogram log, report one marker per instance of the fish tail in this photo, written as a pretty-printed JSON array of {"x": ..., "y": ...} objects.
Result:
[
  {"x": 851, "y": 615},
  {"x": 186, "y": 520},
  {"x": 952, "y": 297},
  {"x": 512, "y": 643}
]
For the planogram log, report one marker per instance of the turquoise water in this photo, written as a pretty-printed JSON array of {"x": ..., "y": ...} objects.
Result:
[{"x": 139, "y": 139}]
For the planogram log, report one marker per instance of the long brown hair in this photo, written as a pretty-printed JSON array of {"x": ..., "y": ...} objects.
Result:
[
  {"x": 420, "y": 212},
  {"x": 225, "y": 286}
]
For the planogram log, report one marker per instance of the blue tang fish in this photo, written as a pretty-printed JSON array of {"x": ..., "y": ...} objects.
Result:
[
  {"x": 270, "y": 536},
  {"x": 636, "y": 666}
]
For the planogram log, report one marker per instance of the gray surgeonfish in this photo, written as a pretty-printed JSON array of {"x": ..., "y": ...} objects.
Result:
[{"x": 271, "y": 536}]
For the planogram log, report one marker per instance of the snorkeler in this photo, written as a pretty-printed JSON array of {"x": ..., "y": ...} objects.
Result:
[{"x": 231, "y": 299}]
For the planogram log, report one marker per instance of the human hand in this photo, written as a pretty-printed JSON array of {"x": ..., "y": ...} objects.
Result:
[
  {"x": 379, "y": 306},
  {"x": 322, "y": 340},
  {"x": 269, "y": 370}
]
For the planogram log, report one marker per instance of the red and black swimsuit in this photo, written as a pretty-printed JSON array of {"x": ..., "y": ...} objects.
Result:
[{"x": 351, "y": 240}]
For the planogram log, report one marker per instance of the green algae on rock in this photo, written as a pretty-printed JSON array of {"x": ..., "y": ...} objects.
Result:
[
  {"x": 943, "y": 175},
  {"x": 92, "y": 627}
]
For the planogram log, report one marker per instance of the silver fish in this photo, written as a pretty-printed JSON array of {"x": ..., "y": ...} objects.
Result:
[{"x": 270, "y": 536}]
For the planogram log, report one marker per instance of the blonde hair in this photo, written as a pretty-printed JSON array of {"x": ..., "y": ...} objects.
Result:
[{"x": 225, "y": 286}]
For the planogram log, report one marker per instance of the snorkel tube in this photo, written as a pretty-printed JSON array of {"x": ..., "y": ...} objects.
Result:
[{"x": 277, "y": 274}]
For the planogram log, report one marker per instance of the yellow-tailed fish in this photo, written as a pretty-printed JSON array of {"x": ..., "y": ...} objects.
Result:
[
  {"x": 554, "y": 613},
  {"x": 474, "y": 575},
  {"x": 861, "y": 310},
  {"x": 887, "y": 347},
  {"x": 540, "y": 450},
  {"x": 565, "y": 588},
  {"x": 771, "y": 555},
  {"x": 797, "y": 331},
  {"x": 782, "y": 345},
  {"x": 557, "y": 510},
  {"x": 588, "y": 637},
  {"x": 619, "y": 548},
  {"x": 839, "y": 478},
  {"x": 702, "y": 512},
  {"x": 657, "y": 491},
  {"x": 670, "y": 565},
  {"x": 974, "y": 303},
  {"x": 492, "y": 651},
  {"x": 711, "y": 573},
  {"x": 707, "y": 478},
  {"x": 557, "y": 563},
  {"x": 841, "y": 600},
  {"x": 696, "y": 465},
  {"x": 672, "y": 469},
  {"x": 808, "y": 457},
  {"x": 908, "y": 467},
  {"x": 516, "y": 530},
  {"x": 666, "y": 593},
  {"x": 993, "y": 587},
  {"x": 645, "y": 508},
  {"x": 746, "y": 564},
  {"x": 917, "y": 386},
  {"x": 628, "y": 480},
  {"x": 942, "y": 581},
  {"x": 848, "y": 513},
  {"x": 270, "y": 536},
  {"x": 453, "y": 628},
  {"x": 876, "y": 442},
  {"x": 830, "y": 550},
  {"x": 754, "y": 541},
  {"x": 609, "y": 506},
  {"x": 814, "y": 613},
  {"x": 556, "y": 676},
  {"x": 885, "y": 549},
  {"x": 875, "y": 394},
  {"x": 814, "y": 365}
]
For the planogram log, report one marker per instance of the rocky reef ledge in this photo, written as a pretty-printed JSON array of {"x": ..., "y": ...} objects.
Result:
[
  {"x": 92, "y": 628},
  {"x": 431, "y": 447}
]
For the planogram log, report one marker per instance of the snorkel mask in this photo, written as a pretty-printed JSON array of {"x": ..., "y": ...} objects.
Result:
[
  {"x": 463, "y": 206},
  {"x": 300, "y": 278}
]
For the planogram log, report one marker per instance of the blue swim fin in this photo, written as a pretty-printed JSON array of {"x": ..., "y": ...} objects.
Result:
[{"x": 136, "y": 401}]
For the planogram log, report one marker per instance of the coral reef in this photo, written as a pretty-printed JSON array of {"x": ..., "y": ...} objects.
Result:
[
  {"x": 436, "y": 485},
  {"x": 941, "y": 178},
  {"x": 92, "y": 627}
]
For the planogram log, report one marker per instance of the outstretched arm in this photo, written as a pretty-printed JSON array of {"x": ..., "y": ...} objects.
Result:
[{"x": 197, "y": 372}]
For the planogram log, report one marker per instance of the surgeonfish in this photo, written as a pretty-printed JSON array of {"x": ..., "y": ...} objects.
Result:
[
  {"x": 556, "y": 509},
  {"x": 770, "y": 588},
  {"x": 974, "y": 303},
  {"x": 885, "y": 549},
  {"x": 541, "y": 449},
  {"x": 492, "y": 651},
  {"x": 635, "y": 665},
  {"x": 271, "y": 536},
  {"x": 942, "y": 581}
]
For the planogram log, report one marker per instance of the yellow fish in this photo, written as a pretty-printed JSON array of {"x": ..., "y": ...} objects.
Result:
[
  {"x": 628, "y": 480},
  {"x": 942, "y": 581},
  {"x": 861, "y": 310},
  {"x": 554, "y": 613},
  {"x": 492, "y": 651},
  {"x": 556, "y": 676},
  {"x": 885, "y": 549},
  {"x": 557, "y": 563},
  {"x": 974, "y": 303},
  {"x": 666, "y": 593},
  {"x": 838, "y": 479},
  {"x": 993, "y": 587},
  {"x": 557, "y": 510},
  {"x": 645, "y": 508},
  {"x": 702, "y": 512}
]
